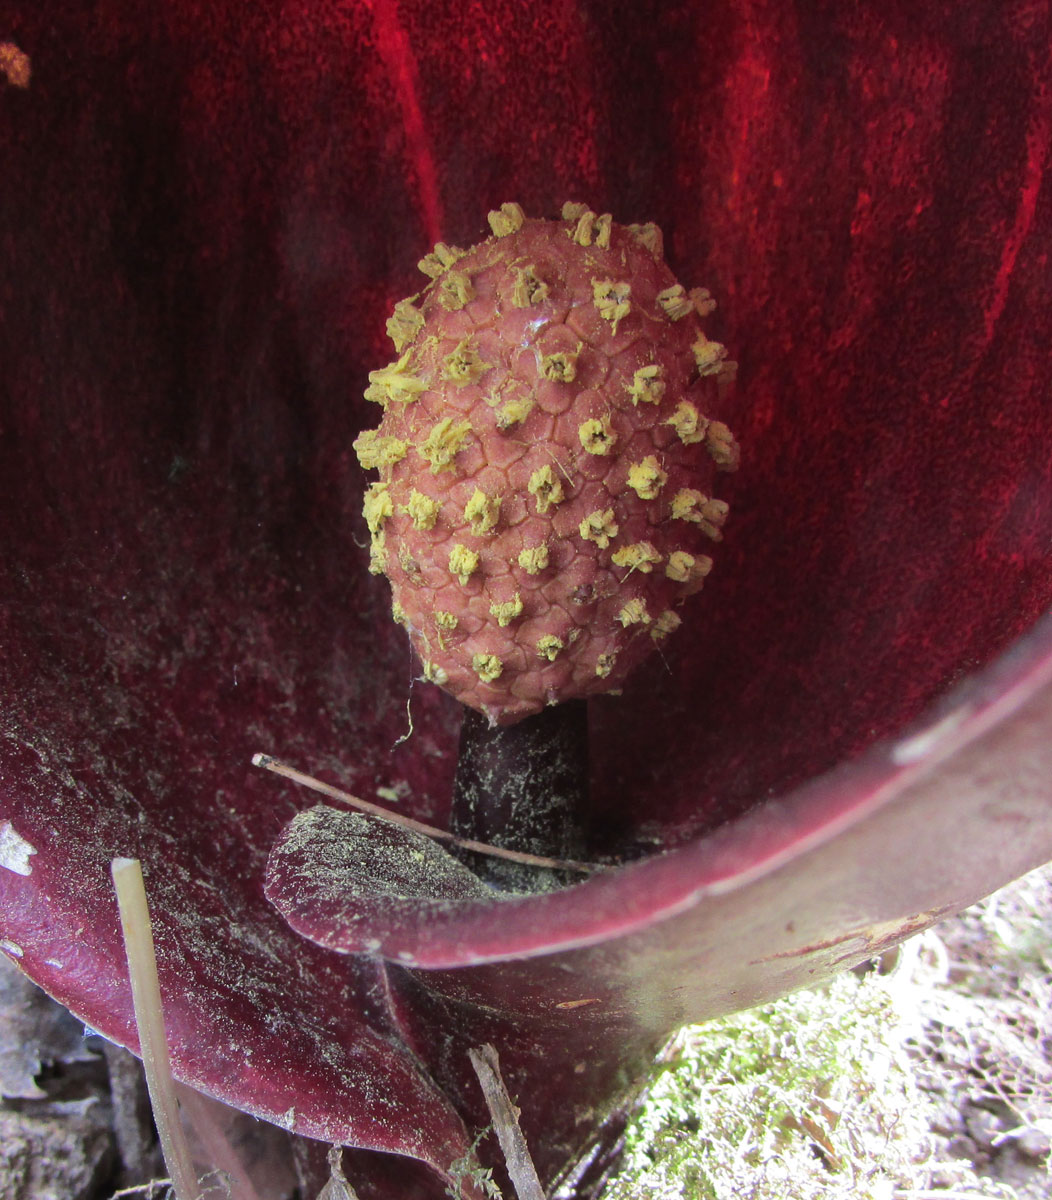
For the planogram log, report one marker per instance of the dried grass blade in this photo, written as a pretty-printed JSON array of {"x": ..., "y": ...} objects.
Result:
[
  {"x": 149, "y": 1017},
  {"x": 506, "y": 1123}
]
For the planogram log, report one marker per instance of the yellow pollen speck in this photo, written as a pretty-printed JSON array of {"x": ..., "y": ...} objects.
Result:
[
  {"x": 560, "y": 367},
  {"x": 441, "y": 445},
  {"x": 634, "y": 613},
  {"x": 377, "y": 506},
  {"x": 650, "y": 236},
  {"x": 422, "y": 509},
  {"x": 514, "y": 413},
  {"x": 688, "y": 423},
  {"x": 506, "y": 610},
  {"x": 648, "y": 384},
  {"x": 546, "y": 487},
  {"x": 506, "y": 219},
  {"x": 708, "y": 355},
  {"x": 667, "y": 623},
  {"x": 404, "y": 324},
  {"x": 605, "y": 664},
  {"x": 527, "y": 288},
  {"x": 487, "y": 667},
  {"x": 646, "y": 478},
  {"x": 395, "y": 382},
  {"x": 463, "y": 563},
  {"x": 549, "y": 646},
  {"x": 455, "y": 290},
  {"x": 433, "y": 673},
  {"x": 596, "y": 436},
  {"x": 612, "y": 300},
  {"x": 533, "y": 559},
  {"x": 375, "y": 451},
  {"x": 446, "y": 620},
  {"x": 398, "y": 613},
  {"x": 599, "y": 527},
  {"x": 640, "y": 556},
  {"x": 482, "y": 511},
  {"x": 723, "y": 448},
  {"x": 440, "y": 259},
  {"x": 463, "y": 365}
]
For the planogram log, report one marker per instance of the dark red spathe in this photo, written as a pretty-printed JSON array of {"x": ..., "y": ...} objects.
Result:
[{"x": 206, "y": 214}]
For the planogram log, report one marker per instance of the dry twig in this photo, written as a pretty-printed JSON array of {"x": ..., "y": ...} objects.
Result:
[{"x": 506, "y": 1123}]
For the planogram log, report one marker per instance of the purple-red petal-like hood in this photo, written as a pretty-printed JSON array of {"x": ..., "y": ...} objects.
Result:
[{"x": 206, "y": 212}]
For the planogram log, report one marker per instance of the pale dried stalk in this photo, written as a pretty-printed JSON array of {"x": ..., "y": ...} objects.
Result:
[
  {"x": 506, "y": 1123},
  {"x": 149, "y": 1017}
]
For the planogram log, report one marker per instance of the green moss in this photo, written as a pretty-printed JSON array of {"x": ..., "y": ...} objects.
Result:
[{"x": 810, "y": 1097}]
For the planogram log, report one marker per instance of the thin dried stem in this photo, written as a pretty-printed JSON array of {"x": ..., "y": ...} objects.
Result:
[
  {"x": 506, "y": 1123},
  {"x": 149, "y": 1017},
  {"x": 384, "y": 814},
  {"x": 337, "y": 1187}
]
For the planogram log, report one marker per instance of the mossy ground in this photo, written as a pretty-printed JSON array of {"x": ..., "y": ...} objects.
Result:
[{"x": 928, "y": 1076}]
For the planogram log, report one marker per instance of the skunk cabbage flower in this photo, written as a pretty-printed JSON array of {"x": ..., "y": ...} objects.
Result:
[{"x": 208, "y": 213}]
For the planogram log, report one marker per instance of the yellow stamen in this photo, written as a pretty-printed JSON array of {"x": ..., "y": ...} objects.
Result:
[
  {"x": 377, "y": 506},
  {"x": 596, "y": 436},
  {"x": 375, "y": 451},
  {"x": 442, "y": 444},
  {"x": 463, "y": 365},
  {"x": 599, "y": 527},
  {"x": 487, "y": 667},
  {"x": 688, "y": 423},
  {"x": 422, "y": 509},
  {"x": 549, "y": 646},
  {"x": 647, "y": 478},
  {"x": 533, "y": 559},
  {"x": 612, "y": 300},
  {"x": 648, "y": 384},
  {"x": 506, "y": 610},
  {"x": 546, "y": 487},
  {"x": 463, "y": 563},
  {"x": 506, "y": 219},
  {"x": 640, "y": 556}
]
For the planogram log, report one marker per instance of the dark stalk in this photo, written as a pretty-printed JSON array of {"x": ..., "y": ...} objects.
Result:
[{"x": 524, "y": 787}]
